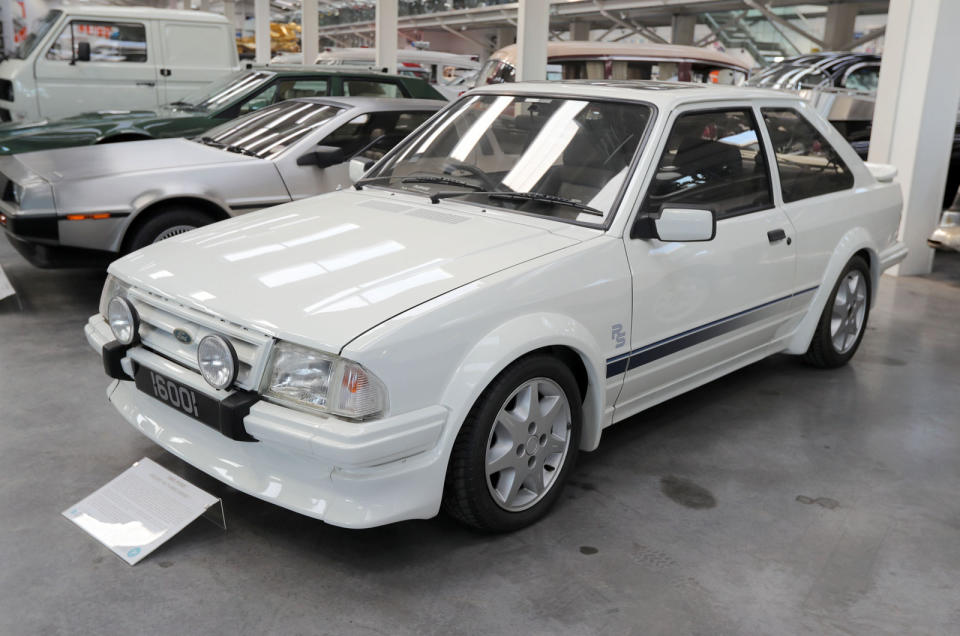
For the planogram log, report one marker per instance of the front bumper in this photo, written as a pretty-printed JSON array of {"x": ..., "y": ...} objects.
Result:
[
  {"x": 892, "y": 255},
  {"x": 349, "y": 474}
]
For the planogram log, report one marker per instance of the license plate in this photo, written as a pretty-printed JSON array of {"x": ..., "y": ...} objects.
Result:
[{"x": 178, "y": 396}]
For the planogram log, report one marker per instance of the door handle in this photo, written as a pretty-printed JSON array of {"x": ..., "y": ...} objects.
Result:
[
  {"x": 165, "y": 72},
  {"x": 777, "y": 235},
  {"x": 146, "y": 83}
]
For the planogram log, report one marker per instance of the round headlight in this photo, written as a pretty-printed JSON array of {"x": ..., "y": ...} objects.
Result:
[
  {"x": 123, "y": 320},
  {"x": 218, "y": 361}
]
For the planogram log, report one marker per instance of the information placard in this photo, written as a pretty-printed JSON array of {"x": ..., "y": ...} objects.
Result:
[
  {"x": 6, "y": 289},
  {"x": 140, "y": 509}
]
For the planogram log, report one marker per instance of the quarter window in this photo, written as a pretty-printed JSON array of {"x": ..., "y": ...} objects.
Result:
[
  {"x": 109, "y": 42},
  {"x": 808, "y": 165},
  {"x": 712, "y": 159}
]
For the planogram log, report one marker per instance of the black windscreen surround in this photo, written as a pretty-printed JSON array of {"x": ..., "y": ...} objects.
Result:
[
  {"x": 714, "y": 159},
  {"x": 808, "y": 165}
]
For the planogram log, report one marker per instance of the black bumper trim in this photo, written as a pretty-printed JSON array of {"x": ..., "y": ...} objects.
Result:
[
  {"x": 231, "y": 409},
  {"x": 38, "y": 228}
]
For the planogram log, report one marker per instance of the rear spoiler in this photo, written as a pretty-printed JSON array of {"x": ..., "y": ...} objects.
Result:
[{"x": 882, "y": 172}]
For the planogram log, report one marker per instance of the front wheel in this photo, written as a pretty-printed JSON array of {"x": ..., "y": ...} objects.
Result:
[
  {"x": 166, "y": 224},
  {"x": 516, "y": 447},
  {"x": 844, "y": 318}
]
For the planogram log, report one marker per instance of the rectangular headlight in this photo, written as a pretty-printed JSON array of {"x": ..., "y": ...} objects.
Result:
[{"x": 314, "y": 380}]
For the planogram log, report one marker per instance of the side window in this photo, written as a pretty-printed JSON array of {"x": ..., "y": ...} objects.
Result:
[
  {"x": 713, "y": 159},
  {"x": 808, "y": 165},
  {"x": 370, "y": 88},
  {"x": 109, "y": 42},
  {"x": 863, "y": 79},
  {"x": 260, "y": 100},
  {"x": 374, "y": 133},
  {"x": 290, "y": 89}
]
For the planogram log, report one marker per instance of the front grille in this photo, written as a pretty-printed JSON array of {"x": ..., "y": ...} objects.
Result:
[
  {"x": 6, "y": 90},
  {"x": 4, "y": 114},
  {"x": 159, "y": 318}
]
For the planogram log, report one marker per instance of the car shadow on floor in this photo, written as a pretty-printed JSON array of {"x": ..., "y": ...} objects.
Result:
[{"x": 395, "y": 546}]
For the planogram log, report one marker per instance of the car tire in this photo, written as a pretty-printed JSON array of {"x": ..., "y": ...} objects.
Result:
[
  {"x": 502, "y": 443},
  {"x": 166, "y": 224},
  {"x": 844, "y": 318}
]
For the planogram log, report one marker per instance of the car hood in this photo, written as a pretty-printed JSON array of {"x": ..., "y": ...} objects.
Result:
[
  {"x": 90, "y": 162},
  {"x": 10, "y": 66},
  {"x": 322, "y": 271}
]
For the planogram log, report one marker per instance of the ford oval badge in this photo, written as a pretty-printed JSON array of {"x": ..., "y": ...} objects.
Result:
[{"x": 182, "y": 335}]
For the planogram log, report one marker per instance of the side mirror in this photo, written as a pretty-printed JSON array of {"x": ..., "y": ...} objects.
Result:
[
  {"x": 322, "y": 157},
  {"x": 83, "y": 52},
  {"x": 358, "y": 167},
  {"x": 678, "y": 225}
]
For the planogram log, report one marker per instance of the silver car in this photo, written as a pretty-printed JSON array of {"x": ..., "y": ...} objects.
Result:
[{"x": 87, "y": 205}]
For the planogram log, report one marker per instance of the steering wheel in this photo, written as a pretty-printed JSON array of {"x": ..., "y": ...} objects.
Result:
[{"x": 474, "y": 171}]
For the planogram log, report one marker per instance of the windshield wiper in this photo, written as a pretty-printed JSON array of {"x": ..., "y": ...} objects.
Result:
[
  {"x": 444, "y": 181},
  {"x": 522, "y": 196},
  {"x": 210, "y": 141},
  {"x": 242, "y": 151},
  {"x": 425, "y": 179}
]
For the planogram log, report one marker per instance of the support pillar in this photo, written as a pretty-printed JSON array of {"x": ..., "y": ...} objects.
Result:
[
  {"x": 506, "y": 36},
  {"x": 173, "y": 4},
  {"x": 261, "y": 30},
  {"x": 204, "y": 5},
  {"x": 533, "y": 29},
  {"x": 681, "y": 28},
  {"x": 230, "y": 13},
  {"x": 309, "y": 31},
  {"x": 386, "y": 35},
  {"x": 839, "y": 27},
  {"x": 915, "y": 115},
  {"x": 580, "y": 30}
]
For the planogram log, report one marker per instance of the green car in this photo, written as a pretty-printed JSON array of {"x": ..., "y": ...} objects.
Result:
[{"x": 239, "y": 93}]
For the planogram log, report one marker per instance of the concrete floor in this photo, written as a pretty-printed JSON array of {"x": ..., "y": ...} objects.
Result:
[{"x": 779, "y": 500}]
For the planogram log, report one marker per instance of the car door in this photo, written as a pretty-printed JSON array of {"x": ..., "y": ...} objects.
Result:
[
  {"x": 703, "y": 308},
  {"x": 121, "y": 72},
  {"x": 816, "y": 187},
  {"x": 367, "y": 134},
  {"x": 193, "y": 54}
]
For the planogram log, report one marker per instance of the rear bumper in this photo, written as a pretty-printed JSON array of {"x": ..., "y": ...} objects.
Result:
[
  {"x": 893, "y": 255},
  {"x": 349, "y": 474}
]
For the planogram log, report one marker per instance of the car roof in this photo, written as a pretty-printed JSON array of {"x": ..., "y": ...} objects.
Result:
[
  {"x": 662, "y": 94},
  {"x": 374, "y": 104},
  {"x": 140, "y": 12},
  {"x": 324, "y": 69}
]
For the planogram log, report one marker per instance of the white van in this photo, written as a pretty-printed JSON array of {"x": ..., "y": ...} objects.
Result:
[{"x": 80, "y": 59}]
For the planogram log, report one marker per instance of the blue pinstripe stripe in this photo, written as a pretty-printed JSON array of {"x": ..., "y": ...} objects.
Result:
[{"x": 678, "y": 342}]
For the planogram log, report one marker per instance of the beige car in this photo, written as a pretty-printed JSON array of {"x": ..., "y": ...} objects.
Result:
[{"x": 621, "y": 61}]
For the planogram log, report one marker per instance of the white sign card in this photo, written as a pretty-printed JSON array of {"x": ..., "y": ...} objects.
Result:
[
  {"x": 140, "y": 509},
  {"x": 6, "y": 289}
]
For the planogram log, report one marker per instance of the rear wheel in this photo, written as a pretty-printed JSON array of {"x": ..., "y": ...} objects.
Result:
[
  {"x": 844, "y": 318},
  {"x": 166, "y": 224},
  {"x": 516, "y": 447}
]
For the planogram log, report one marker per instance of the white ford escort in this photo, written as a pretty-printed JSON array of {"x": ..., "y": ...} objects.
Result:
[{"x": 533, "y": 264}]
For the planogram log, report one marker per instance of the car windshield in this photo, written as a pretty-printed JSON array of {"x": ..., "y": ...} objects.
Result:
[
  {"x": 269, "y": 131},
  {"x": 226, "y": 91},
  {"x": 547, "y": 156},
  {"x": 33, "y": 38}
]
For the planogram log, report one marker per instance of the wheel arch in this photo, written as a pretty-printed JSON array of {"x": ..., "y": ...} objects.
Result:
[
  {"x": 149, "y": 210},
  {"x": 856, "y": 242},
  {"x": 559, "y": 336}
]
